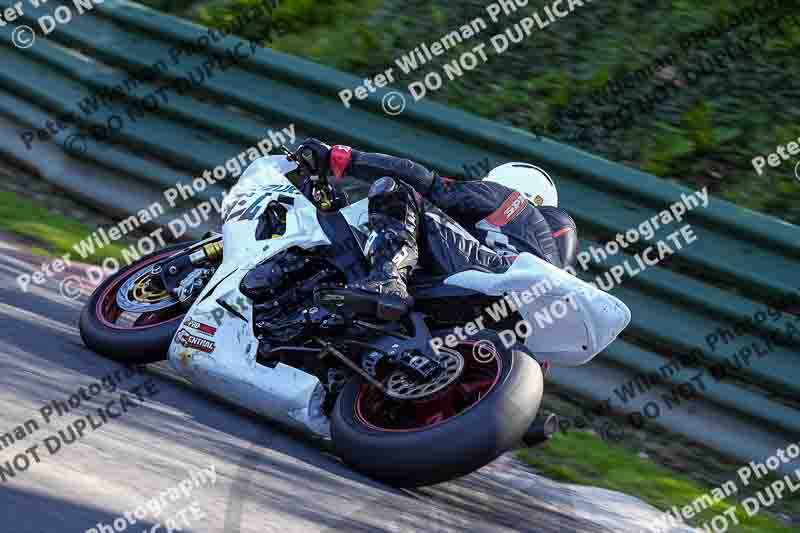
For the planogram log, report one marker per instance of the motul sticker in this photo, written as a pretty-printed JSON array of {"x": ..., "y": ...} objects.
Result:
[
  {"x": 199, "y": 326},
  {"x": 185, "y": 338}
]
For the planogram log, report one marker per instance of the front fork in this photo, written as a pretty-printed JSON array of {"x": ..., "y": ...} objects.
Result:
[
  {"x": 183, "y": 274},
  {"x": 210, "y": 251}
]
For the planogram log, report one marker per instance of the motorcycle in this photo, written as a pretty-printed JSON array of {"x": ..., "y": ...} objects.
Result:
[{"x": 411, "y": 402}]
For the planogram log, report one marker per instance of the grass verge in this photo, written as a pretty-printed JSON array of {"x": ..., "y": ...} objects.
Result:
[
  {"x": 582, "y": 458},
  {"x": 55, "y": 234}
]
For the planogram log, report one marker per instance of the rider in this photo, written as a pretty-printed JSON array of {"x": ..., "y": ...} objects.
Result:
[{"x": 459, "y": 224}]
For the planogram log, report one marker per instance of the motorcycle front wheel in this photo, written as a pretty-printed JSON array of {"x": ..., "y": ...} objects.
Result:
[
  {"x": 132, "y": 338},
  {"x": 483, "y": 414}
]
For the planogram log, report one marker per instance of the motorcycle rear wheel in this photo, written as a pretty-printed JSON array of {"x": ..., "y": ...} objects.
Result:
[
  {"x": 144, "y": 341},
  {"x": 455, "y": 440}
]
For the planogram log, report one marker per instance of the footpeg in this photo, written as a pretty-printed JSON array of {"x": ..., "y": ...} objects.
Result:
[
  {"x": 352, "y": 302},
  {"x": 391, "y": 308}
]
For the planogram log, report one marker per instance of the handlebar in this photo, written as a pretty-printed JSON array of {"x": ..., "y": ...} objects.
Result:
[
  {"x": 301, "y": 159},
  {"x": 321, "y": 192}
]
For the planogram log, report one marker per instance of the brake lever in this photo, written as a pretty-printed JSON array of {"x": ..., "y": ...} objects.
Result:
[
  {"x": 322, "y": 191},
  {"x": 291, "y": 156}
]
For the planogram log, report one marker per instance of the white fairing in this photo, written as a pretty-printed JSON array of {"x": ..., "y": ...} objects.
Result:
[
  {"x": 216, "y": 349},
  {"x": 567, "y": 321},
  {"x": 266, "y": 177},
  {"x": 283, "y": 393}
]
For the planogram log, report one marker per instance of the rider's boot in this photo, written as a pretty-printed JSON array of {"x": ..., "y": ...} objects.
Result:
[{"x": 392, "y": 253}]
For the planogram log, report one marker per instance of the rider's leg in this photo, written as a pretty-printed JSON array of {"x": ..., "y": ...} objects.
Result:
[
  {"x": 391, "y": 249},
  {"x": 448, "y": 248},
  {"x": 401, "y": 222}
]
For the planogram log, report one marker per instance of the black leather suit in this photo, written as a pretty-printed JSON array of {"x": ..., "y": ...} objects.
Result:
[{"x": 452, "y": 219}]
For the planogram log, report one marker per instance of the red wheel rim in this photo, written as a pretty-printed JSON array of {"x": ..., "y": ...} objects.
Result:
[
  {"x": 374, "y": 410},
  {"x": 108, "y": 312}
]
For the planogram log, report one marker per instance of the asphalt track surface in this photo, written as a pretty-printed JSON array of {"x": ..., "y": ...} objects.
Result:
[{"x": 267, "y": 479}]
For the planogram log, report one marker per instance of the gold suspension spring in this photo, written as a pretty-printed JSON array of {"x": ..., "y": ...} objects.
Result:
[{"x": 214, "y": 251}]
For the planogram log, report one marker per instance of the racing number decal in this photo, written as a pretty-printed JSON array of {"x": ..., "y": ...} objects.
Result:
[{"x": 250, "y": 212}]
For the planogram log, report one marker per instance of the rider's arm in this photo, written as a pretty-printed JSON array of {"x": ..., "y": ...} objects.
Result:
[
  {"x": 463, "y": 200},
  {"x": 365, "y": 166},
  {"x": 369, "y": 167},
  {"x": 469, "y": 201}
]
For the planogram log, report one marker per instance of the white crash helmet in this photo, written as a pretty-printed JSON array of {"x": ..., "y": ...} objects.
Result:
[{"x": 531, "y": 181}]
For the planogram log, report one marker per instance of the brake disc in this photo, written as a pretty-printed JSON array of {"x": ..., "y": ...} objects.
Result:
[
  {"x": 136, "y": 296},
  {"x": 399, "y": 386}
]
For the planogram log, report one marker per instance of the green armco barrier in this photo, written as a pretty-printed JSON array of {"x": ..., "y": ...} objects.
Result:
[
  {"x": 478, "y": 131},
  {"x": 742, "y": 400},
  {"x": 739, "y": 262},
  {"x": 741, "y": 265}
]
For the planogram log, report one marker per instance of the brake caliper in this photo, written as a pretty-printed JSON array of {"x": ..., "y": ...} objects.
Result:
[{"x": 419, "y": 366}]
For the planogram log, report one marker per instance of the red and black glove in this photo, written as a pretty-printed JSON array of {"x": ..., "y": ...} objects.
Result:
[
  {"x": 315, "y": 154},
  {"x": 323, "y": 158}
]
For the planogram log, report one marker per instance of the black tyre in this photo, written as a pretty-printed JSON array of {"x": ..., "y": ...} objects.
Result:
[
  {"x": 111, "y": 332},
  {"x": 449, "y": 444}
]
